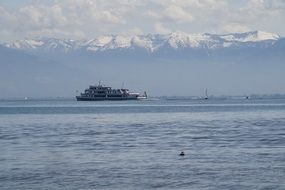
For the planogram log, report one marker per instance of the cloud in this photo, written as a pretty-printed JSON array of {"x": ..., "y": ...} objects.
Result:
[
  {"x": 86, "y": 11},
  {"x": 171, "y": 13},
  {"x": 6, "y": 19},
  {"x": 134, "y": 31},
  {"x": 224, "y": 17},
  {"x": 67, "y": 17},
  {"x": 193, "y": 4},
  {"x": 40, "y": 17},
  {"x": 57, "y": 33},
  {"x": 175, "y": 13},
  {"x": 234, "y": 28},
  {"x": 160, "y": 29},
  {"x": 90, "y": 18}
]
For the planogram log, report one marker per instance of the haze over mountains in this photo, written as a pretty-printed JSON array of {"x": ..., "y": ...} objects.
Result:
[{"x": 172, "y": 64}]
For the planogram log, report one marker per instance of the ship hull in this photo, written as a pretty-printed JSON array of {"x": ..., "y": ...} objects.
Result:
[{"x": 80, "y": 98}]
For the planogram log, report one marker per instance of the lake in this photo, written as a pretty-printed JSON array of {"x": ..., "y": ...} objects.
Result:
[{"x": 66, "y": 145}]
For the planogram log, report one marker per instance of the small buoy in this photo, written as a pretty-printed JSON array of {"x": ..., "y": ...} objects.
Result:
[{"x": 182, "y": 154}]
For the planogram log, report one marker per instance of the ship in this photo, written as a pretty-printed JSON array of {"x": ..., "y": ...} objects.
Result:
[{"x": 101, "y": 92}]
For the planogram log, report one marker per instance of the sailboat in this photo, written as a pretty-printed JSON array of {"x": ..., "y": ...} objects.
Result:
[{"x": 206, "y": 94}]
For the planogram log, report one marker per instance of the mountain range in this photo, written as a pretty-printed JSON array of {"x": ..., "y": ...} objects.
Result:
[
  {"x": 150, "y": 43},
  {"x": 58, "y": 63}
]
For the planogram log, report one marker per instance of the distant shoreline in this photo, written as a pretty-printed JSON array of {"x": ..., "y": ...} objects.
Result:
[{"x": 221, "y": 97}]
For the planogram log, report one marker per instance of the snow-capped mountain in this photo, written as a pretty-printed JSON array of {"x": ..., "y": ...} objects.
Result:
[
  {"x": 150, "y": 43},
  {"x": 246, "y": 62},
  {"x": 44, "y": 44}
]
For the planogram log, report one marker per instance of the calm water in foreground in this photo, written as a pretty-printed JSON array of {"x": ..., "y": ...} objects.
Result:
[{"x": 66, "y": 145}]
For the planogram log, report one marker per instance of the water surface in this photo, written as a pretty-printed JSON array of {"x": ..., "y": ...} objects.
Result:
[{"x": 64, "y": 144}]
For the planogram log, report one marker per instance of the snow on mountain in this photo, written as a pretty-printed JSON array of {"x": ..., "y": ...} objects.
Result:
[
  {"x": 45, "y": 44},
  {"x": 96, "y": 44},
  {"x": 254, "y": 36},
  {"x": 151, "y": 42},
  {"x": 142, "y": 42},
  {"x": 26, "y": 44}
]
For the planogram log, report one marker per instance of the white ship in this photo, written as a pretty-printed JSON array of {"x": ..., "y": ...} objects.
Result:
[{"x": 100, "y": 92}]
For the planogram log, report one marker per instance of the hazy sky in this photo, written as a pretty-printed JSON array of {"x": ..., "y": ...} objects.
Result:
[{"x": 91, "y": 18}]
